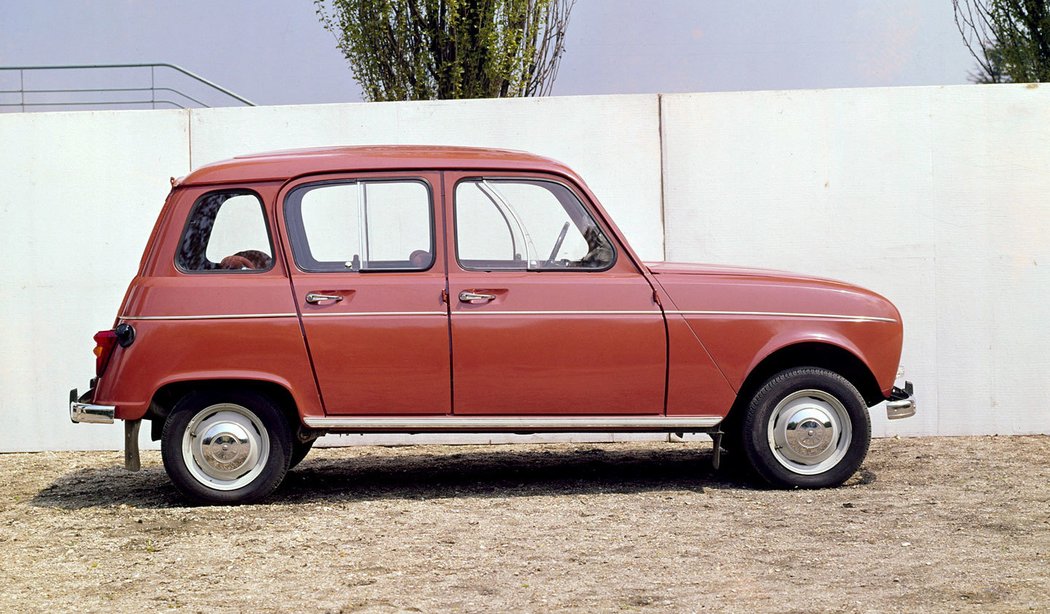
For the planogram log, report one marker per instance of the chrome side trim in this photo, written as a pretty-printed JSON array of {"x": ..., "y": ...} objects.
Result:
[
  {"x": 233, "y": 316},
  {"x": 772, "y": 314},
  {"x": 776, "y": 314},
  {"x": 559, "y": 313},
  {"x": 374, "y": 313},
  {"x": 785, "y": 314},
  {"x": 485, "y": 424}
]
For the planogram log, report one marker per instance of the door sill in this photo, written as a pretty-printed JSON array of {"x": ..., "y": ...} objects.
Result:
[{"x": 498, "y": 424}]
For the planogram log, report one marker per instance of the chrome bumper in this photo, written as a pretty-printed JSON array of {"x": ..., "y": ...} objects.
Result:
[
  {"x": 901, "y": 403},
  {"x": 81, "y": 411}
]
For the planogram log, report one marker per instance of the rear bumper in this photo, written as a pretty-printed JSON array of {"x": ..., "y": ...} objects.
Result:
[
  {"x": 82, "y": 411},
  {"x": 901, "y": 403}
]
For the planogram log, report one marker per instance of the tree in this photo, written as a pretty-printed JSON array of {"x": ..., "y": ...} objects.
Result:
[
  {"x": 1010, "y": 39},
  {"x": 436, "y": 49}
]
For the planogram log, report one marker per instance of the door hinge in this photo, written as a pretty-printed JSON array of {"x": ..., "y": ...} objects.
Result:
[
  {"x": 656, "y": 299},
  {"x": 444, "y": 296}
]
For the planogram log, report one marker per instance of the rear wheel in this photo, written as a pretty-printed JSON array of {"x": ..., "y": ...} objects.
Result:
[
  {"x": 226, "y": 447},
  {"x": 299, "y": 451},
  {"x": 806, "y": 428}
]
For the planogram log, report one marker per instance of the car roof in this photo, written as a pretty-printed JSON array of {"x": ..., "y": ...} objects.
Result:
[{"x": 284, "y": 165}]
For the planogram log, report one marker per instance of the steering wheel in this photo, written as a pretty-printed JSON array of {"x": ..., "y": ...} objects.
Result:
[{"x": 557, "y": 245}]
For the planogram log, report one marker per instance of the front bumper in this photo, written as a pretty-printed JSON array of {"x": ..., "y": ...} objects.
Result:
[
  {"x": 901, "y": 403},
  {"x": 81, "y": 410}
]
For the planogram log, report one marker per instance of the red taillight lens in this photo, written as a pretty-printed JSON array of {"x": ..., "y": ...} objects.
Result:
[{"x": 105, "y": 341}]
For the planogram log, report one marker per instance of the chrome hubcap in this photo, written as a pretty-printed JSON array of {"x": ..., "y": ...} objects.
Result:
[
  {"x": 225, "y": 446},
  {"x": 809, "y": 432}
]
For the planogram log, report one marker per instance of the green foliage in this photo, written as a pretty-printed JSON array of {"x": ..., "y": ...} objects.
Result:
[
  {"x": 436, "y": 49},
  {"x": 1009, "y": 38}
]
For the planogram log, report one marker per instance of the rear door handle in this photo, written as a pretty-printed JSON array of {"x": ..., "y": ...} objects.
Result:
[
  {"x": 475, "y": 298},
  {"x": 313, "y": 298}
]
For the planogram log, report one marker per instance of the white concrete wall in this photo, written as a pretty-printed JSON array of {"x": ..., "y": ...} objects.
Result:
[
  {"x": 79, "y": 193},
  {"x": 938, "y": 198}
]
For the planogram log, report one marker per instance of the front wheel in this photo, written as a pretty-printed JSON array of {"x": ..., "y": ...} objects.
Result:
[
  {"x": 806, "y": 428},
  {"x": 226, "y": 447}
]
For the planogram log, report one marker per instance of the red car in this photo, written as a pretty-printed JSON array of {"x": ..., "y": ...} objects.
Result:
[{"x": 399, "y": 289}]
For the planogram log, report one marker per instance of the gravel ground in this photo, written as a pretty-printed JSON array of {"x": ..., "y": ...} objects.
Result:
[{"x": 929, "y": 524}]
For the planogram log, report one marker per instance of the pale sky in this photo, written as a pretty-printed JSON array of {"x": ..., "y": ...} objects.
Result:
[{"x": 275, "y": 51}]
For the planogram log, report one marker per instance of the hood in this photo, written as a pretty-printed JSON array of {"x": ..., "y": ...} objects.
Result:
[
  {"x": 688, "y": 268},
  {"x": 730, "y": 289}
]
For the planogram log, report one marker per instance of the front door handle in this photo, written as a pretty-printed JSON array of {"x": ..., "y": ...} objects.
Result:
[
  {"x": 475, "y": 298},
  {"x": 314, "y": 298}
]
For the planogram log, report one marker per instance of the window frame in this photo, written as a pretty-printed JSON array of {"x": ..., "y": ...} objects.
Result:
[
  {"x": 197, "y": 204},
  {"x": 296, "y": 230},
  {"x": 584, "y": 203}
]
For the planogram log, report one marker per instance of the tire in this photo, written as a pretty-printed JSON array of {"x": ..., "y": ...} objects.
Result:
[
  {"x": 783, "y": 451},
  {"x": 227, "y": 447},
  {"x": 299, "y": 452}
]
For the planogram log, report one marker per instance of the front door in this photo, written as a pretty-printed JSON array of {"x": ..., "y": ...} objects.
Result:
[
  {"x": 369, "y": 279},
  {"x": 548, "y": 317}
]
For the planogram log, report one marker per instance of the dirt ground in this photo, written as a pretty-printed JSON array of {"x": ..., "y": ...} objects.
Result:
[{"x": 931, "y": 524}]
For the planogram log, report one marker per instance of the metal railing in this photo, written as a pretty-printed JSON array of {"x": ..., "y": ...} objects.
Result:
[{"x": 19, "y": 97}]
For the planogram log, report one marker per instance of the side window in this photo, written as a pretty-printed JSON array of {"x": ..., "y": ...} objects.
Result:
[
  {"x": 361, "y": 226},
  {"x": 526, "y": 224},
  {"x": 227, "y": 231}
]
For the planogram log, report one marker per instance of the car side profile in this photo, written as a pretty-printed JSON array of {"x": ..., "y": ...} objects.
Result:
[{"x": 405, "y": 289}]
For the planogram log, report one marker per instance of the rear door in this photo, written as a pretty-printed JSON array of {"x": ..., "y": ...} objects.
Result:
[
  {"x": 369, "y": 276},
  {"x": 548, "y": 317}
]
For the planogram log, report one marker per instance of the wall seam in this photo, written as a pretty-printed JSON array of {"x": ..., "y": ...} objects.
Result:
[
  {"x": 663, "y": 206},
  {"x": 189, "y": 138}
]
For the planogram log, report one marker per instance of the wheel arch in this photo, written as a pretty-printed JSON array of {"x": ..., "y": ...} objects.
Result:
[
  {"x": 820, "y": 354},
  {"x": 166, "y": 397}
]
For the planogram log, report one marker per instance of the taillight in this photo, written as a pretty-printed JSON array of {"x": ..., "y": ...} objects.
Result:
[{"x": 105, "y": 341}]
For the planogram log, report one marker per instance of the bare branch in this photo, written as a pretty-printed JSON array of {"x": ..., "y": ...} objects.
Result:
[{"x": 1010, "y": 39}]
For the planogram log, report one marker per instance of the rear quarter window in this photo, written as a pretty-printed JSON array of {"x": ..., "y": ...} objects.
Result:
[{"x": 226, "y": 231}]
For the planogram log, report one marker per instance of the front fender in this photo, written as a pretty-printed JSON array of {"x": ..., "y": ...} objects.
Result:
[{"x": 739, "y": 344}]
